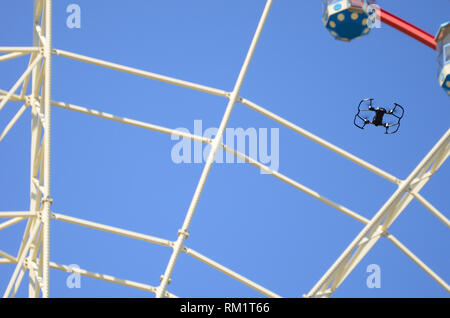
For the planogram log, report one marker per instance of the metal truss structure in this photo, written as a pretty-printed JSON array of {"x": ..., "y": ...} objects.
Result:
[{"x": 33, "y": 255}]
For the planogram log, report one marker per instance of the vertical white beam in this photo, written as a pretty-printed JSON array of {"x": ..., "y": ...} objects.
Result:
[
  {"x": 36, "y": 131},
  {"x": 47, "y": 198},
  {"x": 183, "y": 232}
]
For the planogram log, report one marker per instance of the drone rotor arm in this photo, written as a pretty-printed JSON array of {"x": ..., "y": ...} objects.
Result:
[
  {"x": 370, "y": 107},
  {"x": 392, "y": 111}
]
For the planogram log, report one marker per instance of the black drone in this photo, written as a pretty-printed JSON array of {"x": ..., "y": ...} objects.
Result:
[{"x": 389, "y": 119}]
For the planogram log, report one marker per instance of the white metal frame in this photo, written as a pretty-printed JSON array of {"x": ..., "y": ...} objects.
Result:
[{"x": 34, "y": 252}]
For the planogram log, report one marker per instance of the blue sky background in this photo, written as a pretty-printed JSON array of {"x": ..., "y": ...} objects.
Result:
[{"x": 254, "y": 224}]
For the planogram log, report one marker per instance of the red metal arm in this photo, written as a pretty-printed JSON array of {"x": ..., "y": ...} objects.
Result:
[{"x": 407, "y": 28}]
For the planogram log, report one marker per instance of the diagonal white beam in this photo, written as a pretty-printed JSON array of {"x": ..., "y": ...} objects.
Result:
[
  {"x": 416, "y": 260},
  {"x": 247, "y": 159},
  {"x": 142, "y": 73},
  {"x": 129, "y": 121},
  {"x": 13, "y": 98},
  {"x": 13, "y": 89},
  {"x": 297, "y": 185},
  {"x": 13, "y": 121},
  {"x": 37, "y": 13},
  {"x": 431, "y": 208},
  {"x": 231, "y": 273},
  {"x": 372, "y": 231},
  {"x": 320, "y": 141},
  {"x": 112, "y": 229},
  {"x": 8, "y": 256},
  {"x": 183, "y": 233},
  {"x": 21, "y": 259},
  {"x": 18, "y": 282}
]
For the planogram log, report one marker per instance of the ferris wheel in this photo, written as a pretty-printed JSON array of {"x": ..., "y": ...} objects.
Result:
[{"x": 346, "y": 20}]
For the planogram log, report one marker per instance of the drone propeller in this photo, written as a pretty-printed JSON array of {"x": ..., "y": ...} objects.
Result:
[
  {"x": 398, "y": 111},
  {"x": 366, "y": 104},
  {"x": 365, "y": 109}
]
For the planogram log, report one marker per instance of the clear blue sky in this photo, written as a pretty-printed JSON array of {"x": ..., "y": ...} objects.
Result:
[{"x": 254, "y": 224}]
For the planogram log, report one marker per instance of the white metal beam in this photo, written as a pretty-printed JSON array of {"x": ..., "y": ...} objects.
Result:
[
  {"x": 142, "y": 73},
  {"x": 16, "y": 49},
  {"x": 112, "y": 229},
  {"x": 416, "y": 260},
  {"x": 108, "y": 278},
  {"x": 129, "y": 121},
  {"x": 13, "y": 98},
  {"x": 375, "y": 228},
  {"x": 183, "y": 232},
  {"x": 13, "y": 89},
  {"x": 431, "y": 208},
  {"x": 12, "y": 55},
  {"x": 13, "y": 221},
  {"x": 20, "y": 260},
  {"x": 13, "y": 121},
  {"x": 8, "y": 256},
  {"x": 320, "y": 141},
  {"x": 17, "y": 214},
  {"x": 230, "y": 273}
]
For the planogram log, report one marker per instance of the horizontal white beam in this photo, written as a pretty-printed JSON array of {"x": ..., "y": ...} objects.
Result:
[
  {"x": 107, "y": 278},
  {"x": 22, "y": 49},
  {"x": 253, "y": 162},
  {"x": 152, "y": 239},
  {"x": 112, "y": 229},
  {"x": 5, "y": 261},
  {"x": 11, "y": 56},
  {"x": 17, "y": 214},
  {"x": 129, "y": 121}
]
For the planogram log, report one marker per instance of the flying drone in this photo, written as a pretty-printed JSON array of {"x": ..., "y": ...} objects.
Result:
[{"x": 378, "y": 116}]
